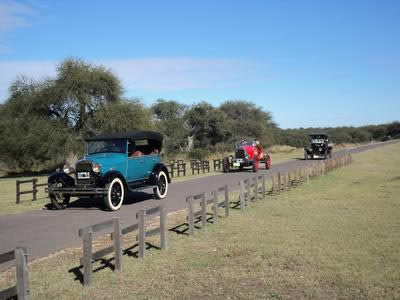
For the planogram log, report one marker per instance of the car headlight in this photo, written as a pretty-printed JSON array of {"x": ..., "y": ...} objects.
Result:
[
  {"x": 96, "y": 168},
  {"x": 67, "y": 169}
]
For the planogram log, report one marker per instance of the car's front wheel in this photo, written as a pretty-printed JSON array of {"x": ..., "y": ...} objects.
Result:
[
  {"x": 115, "y": 194},
  {"x": 162, "y": 186},
  {"x": 59, "y": 200}
]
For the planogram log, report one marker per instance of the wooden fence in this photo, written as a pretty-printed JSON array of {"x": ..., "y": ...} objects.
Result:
[
  {"x": 21, "y": 289},
  {"x": 196, "y": 213},
  {"x": 34, "y": 190},
  {"x": 87, "y": 236}
]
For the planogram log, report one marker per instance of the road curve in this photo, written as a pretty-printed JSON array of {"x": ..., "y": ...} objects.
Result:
[{"x": 46, "y": 231}]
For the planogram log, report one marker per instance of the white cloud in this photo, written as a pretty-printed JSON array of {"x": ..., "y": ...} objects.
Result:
[
  {"x": 14, "y": 15},
  {"x": 152, "y": 74}
]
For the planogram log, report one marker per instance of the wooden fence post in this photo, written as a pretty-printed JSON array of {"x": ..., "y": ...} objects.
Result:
[
  {"x": 242, "y": 192},
  {"x": 255, "y": 188},
  {"x": 18, "y": 193},
  {"x": 142, "y": 232},
  {"x": 273, "y": 184},
  {"x": 87, "y": 257},
  {"x": 189, "y": 200},
  {"x": 263, "y": 186},
  {"x": 21, "y": 260},
  {"x": 203, "y": 211},
  {"x": 279, "y": 183},
  {"x": 248, "y": 198},
  {"x": 34, "y": 188},
  {"x": 163, "y": 227},
  {"x": 290, "y": 180},
  {"x": 226, "y": 201},
  {"x": 215, "y": 207},
  {"x": 117, "y": 245}
]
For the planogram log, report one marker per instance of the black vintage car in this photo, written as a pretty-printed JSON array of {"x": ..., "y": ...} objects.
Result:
[
  {"x": 114, "y": 164},
  {"x": 318, "y": 147}
]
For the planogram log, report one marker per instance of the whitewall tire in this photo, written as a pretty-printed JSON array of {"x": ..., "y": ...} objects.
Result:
[
  {"x": 162, "y": 186},
  {"x": 115, "y": 194}
]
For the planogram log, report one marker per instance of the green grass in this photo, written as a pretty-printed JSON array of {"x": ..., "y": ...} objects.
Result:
[
  {"x": 8, "y": 196},
  {"x": 335, "y": 237}
]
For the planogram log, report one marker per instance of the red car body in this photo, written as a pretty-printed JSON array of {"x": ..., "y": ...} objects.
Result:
[{"x": 247, "y": 154}]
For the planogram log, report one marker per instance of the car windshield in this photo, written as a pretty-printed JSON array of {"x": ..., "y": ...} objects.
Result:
[
  {"x": 318, "y": 139},
  {"x": 240, "y": 144},
  {"x": 118, "y": 146}
]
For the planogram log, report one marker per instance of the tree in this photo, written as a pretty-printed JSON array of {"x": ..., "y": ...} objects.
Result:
[
  {"x": 126, "y": 115},
  {"x": 169, "y": 120}
]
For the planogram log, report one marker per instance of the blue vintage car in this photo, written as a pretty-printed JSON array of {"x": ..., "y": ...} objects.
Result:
[{"x": 114, "y": 164}]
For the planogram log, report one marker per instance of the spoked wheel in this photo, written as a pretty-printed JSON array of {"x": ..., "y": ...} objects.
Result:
[
  {"x": 115, "y": 194},
  {"x": 59, "y": 200},
  {"x": 255, "y": 164},
  {"x": 162, "y": 186},
  {"x": 268, "y": 162}
]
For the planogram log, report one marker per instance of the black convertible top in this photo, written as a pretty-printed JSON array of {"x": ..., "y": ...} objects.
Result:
[
  {"x": 318, "y": 133},
  {"x": 134, "y": 135}
]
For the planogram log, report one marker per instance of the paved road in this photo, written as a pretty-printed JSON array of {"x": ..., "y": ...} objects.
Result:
[{"x": 46, "y": 231}]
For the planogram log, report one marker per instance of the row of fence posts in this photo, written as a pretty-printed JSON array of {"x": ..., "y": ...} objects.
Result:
[
  {"x": 178, "y": 167},
  {"x": 194, "y": 215},
  {"x": 142, "y": 218},
  {"x": 33, "y": 191}
]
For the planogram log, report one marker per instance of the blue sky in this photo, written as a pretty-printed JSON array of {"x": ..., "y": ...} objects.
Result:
[{"x": 310, "y": 63}]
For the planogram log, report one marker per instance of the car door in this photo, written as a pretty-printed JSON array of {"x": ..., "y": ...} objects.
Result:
[
  {"x": 150, "y": 161},
  {"x": 136, "y": 165}
]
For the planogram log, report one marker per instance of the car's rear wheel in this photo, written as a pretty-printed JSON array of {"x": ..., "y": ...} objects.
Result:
[
  {"x": 162, "y": 186},
  {"x": 59, "y": 200},
  {"x": 115, "y": 194},
  {"x": 255, "y": 164},
  {"x": 225, "y": 165},
  {"x": 268, "y": 162}
]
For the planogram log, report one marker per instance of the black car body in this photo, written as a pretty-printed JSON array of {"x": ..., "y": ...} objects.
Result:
[{"x": 319, "y": 147}]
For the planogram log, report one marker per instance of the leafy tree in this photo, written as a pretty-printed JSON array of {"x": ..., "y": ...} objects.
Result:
[{"x": 126, "y": 115}]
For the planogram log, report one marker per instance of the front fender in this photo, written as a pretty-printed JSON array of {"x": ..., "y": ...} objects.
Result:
[
  {"x": 156, "y": 169},
  {"x": 109, "y": 176},
  {"x": 60, "y": 176}
]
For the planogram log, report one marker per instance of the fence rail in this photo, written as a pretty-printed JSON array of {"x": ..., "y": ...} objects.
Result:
[{"x": 34, "y": 190}]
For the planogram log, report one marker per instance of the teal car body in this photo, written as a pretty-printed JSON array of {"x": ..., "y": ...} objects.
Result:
[{"x": 128, "y": 160}]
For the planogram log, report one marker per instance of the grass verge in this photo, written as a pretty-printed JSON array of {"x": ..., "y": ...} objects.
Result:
[{"x": 336, "y": 237}]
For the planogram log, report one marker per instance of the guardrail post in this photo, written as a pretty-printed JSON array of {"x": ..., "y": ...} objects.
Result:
[
  {"x": 273, "y": 184},
  {"x": 189, "y": 201},
  {"x": 18, "y": 193},
  {"x": 203, "y": 211},
  {"x": 248, "y": 198},
  {"x": 34, "y": 188},
  {"x": 279, "y": 183},
  {"x": 256, "y": 188},
  {"x": 21, "y": 260},
  {"x": 142, "y": 232},
  {"x": 242, "y": 192},
  {"x": 117, "y": 245},
  {"x": 226, "y": 201},
  {"x": 87, "y": 257},
  {"x": 263, "y": 186},
  {"x": 215, "y": 208},
  {"x": 163, "y": 227}
]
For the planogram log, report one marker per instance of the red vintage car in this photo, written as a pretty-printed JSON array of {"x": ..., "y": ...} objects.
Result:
[{"x": 248, "y": 153}]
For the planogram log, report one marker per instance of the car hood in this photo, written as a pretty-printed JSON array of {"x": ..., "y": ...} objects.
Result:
[{"x": 108, "y": 161}]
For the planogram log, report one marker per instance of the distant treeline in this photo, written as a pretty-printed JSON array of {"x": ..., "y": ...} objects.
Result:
[{"x": 42, "y": 122}]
